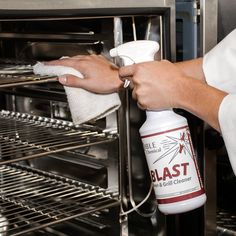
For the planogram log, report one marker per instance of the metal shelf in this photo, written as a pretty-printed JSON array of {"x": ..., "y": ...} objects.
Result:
[
  {"x": 23, "y": 136},
  {"x": 226, "y": 223},
  {"x": 18, "y": 75},
  {"x": 31, "y": 199},
  {"x": 7, "y": 81}
]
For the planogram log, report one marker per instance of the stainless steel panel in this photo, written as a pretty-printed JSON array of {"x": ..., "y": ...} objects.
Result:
[
  {"x": 209, "y": 19},
  {"x": 208, "y": 37},
  {"x": 227, "y": 17},
  {"x": 78, "y": 4}
]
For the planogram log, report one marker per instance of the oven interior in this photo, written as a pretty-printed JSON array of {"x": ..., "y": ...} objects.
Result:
[{"x": 58, "y": 178}]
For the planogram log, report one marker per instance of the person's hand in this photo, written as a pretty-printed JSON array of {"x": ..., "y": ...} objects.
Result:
[
  {"x": 100, "y": 75},
  {"x": 162, "y": 85},
  {"x": 156, "y": 85}
]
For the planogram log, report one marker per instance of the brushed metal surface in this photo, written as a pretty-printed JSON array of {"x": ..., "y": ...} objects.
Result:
[
  {"x": 78, "y": 4},
  {"x": 226, "y": 18},
  {"x": 209, "y": 21}
]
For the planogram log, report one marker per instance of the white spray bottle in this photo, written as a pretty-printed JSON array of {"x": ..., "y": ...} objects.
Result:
[{"x": 167, "y": 144}]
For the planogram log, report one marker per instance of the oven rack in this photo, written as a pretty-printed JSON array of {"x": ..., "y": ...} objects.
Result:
[
  {"x": 10, "y": 79},
  {"x": 226, "y": 222},
  {"x": 23, "y": 136},
  {"x": 12, "y": 74},
  {"x": 33, "y": 199}
]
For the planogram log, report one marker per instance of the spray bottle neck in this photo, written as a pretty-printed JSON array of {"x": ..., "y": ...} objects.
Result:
[{"x": 152, "y": 114}]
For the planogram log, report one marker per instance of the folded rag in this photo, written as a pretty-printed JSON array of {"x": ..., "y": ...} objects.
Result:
[{"x": 84, "y": 105}]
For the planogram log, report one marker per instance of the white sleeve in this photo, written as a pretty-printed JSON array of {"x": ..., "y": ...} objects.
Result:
[
  {"x": 227, "y": 120},
  {"x": 219, "y": 66}
]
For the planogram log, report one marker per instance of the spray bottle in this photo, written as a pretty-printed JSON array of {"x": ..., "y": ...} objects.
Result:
[{"x": 167, "y": 145}]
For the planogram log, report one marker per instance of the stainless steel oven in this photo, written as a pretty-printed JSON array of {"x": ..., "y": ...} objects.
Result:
[{"x": 58, "y": 178}]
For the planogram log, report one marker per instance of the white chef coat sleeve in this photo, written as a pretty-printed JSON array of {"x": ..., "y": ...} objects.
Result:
[
  {"x": 227, "y": 120},
  {"x": 219, "y": 66}
]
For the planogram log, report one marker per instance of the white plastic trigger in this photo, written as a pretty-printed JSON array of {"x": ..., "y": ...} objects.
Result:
[{"x": 126, "y": 83}]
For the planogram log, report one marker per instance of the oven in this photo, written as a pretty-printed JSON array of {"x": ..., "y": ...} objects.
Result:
[{"x": 58, "y": 178}]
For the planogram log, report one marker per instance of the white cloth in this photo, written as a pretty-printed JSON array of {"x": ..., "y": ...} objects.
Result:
[
  {"x": 84, "y": 105},
  {"x": 219, "y": 66}
]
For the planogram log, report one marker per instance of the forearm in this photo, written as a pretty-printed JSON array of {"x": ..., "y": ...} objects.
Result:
[
  {"x": 192, "y": 68},
  {"x": 201, "y": 100}
]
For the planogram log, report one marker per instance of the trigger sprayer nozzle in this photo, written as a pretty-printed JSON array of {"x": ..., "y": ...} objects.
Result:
[{"x": 136, "y": 51}]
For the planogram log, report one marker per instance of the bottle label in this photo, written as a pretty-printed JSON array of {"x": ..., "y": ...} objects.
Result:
[{"x": 172, "y": 164}]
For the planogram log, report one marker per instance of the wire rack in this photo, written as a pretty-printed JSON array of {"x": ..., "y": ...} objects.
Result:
[
  {"x": 32, "y": 199},
  {"x": 226, "y": 222},
  {"x": 23, "y": 136},
  {"x": 16, "y": 75}
]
